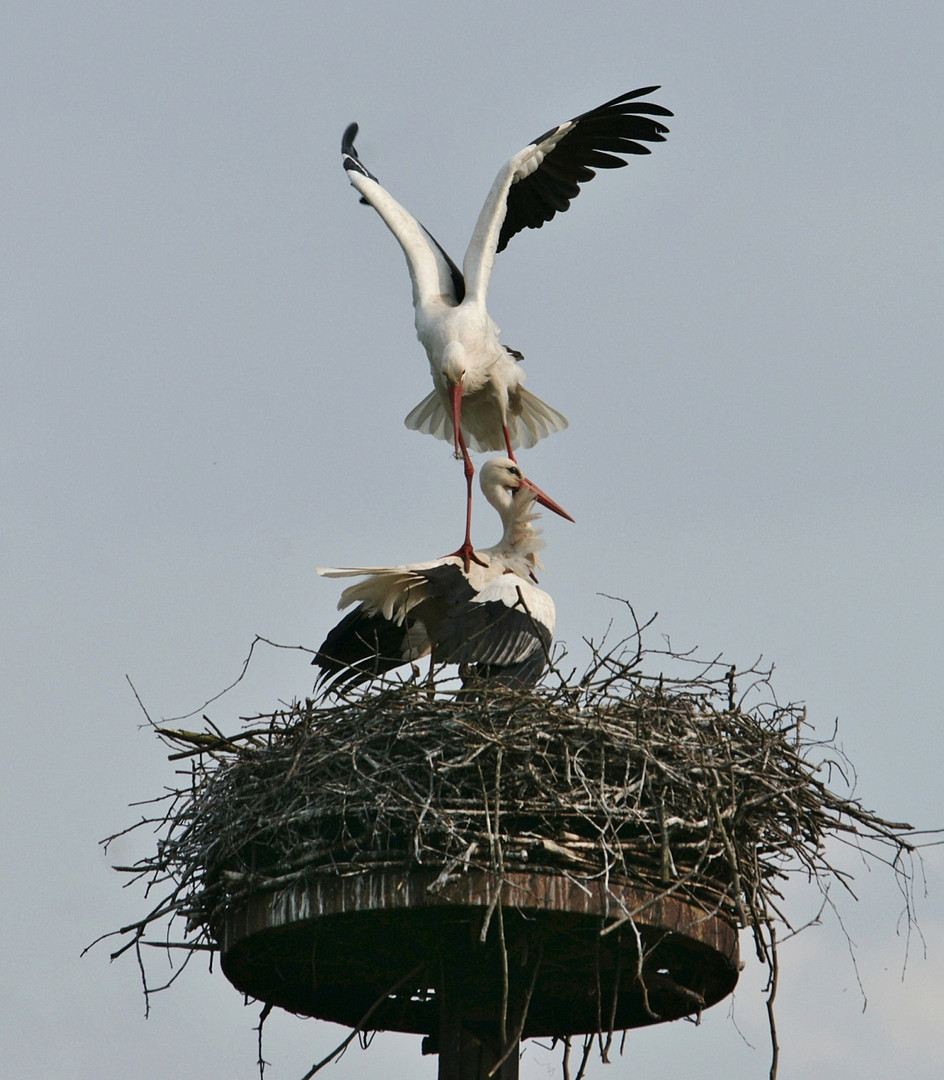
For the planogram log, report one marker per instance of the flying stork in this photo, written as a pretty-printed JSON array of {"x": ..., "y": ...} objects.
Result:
[
  {"x": 490, "y": 615},
  {"x": 478, "y": 399}
]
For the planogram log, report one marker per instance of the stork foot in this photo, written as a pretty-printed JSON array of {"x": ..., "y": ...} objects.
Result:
[{"x": 467, "y": 554}]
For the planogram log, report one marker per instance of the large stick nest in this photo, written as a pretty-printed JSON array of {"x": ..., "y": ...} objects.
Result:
[
  {"x": 670, "y": 782},
  {"x": 682, "y": 783},
  {"x": 654, "y": 787}
]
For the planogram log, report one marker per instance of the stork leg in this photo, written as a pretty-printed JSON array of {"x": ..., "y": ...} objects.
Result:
[
  {"x": 466, "y": 552},
  {"x": 430, "y": 682},
  {"x": 511, "y": 452}
]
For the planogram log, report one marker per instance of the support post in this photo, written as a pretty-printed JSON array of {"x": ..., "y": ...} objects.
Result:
[{"x": 469, "y": 1045}]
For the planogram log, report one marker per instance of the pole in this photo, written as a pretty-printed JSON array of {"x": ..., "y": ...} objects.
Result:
[{"x": 470, "y": 1043}]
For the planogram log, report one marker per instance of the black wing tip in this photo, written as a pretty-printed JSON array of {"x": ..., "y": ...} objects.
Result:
[
  {"x": 593, "y": 140},
  {"x": 349, "y": 158},
  {"x": 337, "y": 675},
  {"x": 347, "y": 140},
  {"x": 632, "y": 95}
]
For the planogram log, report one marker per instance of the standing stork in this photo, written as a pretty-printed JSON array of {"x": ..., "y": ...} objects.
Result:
[
  {"x": 478, "y": 398},
  {"x": 490, "y": 614}
]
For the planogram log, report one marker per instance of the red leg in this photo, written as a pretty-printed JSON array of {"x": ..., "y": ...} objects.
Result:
[
  {"x": 511, "y": 452},
  {"x": 466, "y": 552}
]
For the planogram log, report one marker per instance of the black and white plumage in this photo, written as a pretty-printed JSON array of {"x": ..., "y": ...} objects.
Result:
[
  {"x": 478, "y": 398},
  {"x": 491, "y": 616}
]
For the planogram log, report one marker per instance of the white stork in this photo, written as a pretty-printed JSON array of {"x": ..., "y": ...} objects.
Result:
[
  {"x": 478, "y": 399},
  {"x": 490, "y": 615}
]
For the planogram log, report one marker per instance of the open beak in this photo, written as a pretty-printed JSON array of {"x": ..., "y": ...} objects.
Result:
[{"x": 544, "y": 500}]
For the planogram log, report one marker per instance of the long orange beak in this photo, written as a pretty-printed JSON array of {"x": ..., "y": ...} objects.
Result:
[{"x": 544, "y": 500}]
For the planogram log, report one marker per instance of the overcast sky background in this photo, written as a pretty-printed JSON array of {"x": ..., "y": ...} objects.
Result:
[{"x": 208, "y": 351}]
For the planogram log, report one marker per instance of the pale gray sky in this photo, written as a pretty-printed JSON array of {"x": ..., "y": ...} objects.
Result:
[{"x": 208, "y": 352}]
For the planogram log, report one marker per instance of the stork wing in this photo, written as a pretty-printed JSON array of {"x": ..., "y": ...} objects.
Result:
[
  {"x": 494, "y": 628},
  {"x": 391, "y": 591},
  {"x": 543, "y": 178},
  {"x": 388, "y": 627},
  {"x": 365, "y": 645},
  {"x": 432, "y": 272}
]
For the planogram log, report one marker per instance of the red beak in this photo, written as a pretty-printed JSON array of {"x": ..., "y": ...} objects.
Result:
[
  {"x": 456, "y": 416},
  {"x": 544, "y": 500}
]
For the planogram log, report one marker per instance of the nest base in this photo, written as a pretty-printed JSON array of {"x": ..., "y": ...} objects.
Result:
[{"x": 385, "y": 943}]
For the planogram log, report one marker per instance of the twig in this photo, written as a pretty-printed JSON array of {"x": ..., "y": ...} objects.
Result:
[
  {"x": 771, "y": 996},
  {"x": 239, "y": 678},
  {"x": 512, "y": 1045},
  {"x": 362, "y": 1023}
]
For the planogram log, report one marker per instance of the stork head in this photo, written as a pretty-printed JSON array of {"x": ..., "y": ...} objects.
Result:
[
  {"x": 501, "y": 480},
  {"x": 452, "y": 364}
]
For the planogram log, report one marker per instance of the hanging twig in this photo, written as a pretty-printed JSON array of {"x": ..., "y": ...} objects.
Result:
[
  {"x": 774, "y": 975},
  {"x": 512, "y": 1045},
  {"x": 363, "y": 1022}
]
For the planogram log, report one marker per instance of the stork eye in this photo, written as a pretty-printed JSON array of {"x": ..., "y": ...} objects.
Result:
[{"x": 515, "y": 471}]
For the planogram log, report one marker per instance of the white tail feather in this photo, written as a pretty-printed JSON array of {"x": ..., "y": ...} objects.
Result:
[
  {"x": 532, "y": 420},
  {"x": 390, "y": 590},
  {"x": 430, "y": 417},
  {"x": 535, "y": 420}
]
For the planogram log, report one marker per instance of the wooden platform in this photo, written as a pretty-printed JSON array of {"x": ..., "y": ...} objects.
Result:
[{"x": 409, "y": 950}]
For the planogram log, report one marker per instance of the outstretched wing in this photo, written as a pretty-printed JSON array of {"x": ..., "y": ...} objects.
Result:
[
  {"x": 431, "y": 269},
  {"x": 543, "y": 178},
  {"x": 566, "y": 156}
]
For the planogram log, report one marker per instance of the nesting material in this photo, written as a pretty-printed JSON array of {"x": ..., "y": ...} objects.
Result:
[
  {"x": 671, "y": 782},
  {"x": 676, "y": 777}
]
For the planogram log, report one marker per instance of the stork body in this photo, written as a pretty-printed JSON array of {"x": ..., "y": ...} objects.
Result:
[
  {"x": 478, "y": 398},
  {"x": 490, "y": 615}
]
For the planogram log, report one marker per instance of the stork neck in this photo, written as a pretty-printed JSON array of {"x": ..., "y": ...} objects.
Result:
[{"x": 520, "y": 539}]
